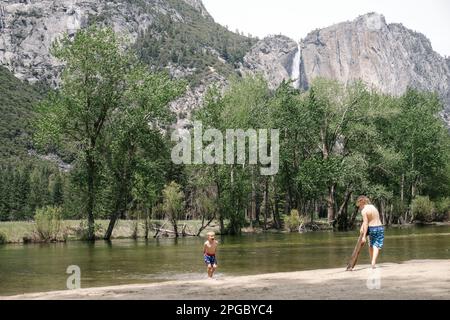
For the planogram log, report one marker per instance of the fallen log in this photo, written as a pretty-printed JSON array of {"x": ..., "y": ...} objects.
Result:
[
  {"x": 172, "y": 232},
  {"x": 158, "y": 230},
  {"x": 354, "y": 258}
]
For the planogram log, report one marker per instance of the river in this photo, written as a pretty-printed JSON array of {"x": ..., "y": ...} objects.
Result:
[{"x": 42, "y": 267}]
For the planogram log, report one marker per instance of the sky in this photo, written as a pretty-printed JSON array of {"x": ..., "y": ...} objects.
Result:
[{"x": 296, "y": 18}]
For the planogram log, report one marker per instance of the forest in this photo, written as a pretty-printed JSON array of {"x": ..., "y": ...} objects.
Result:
[{"x": 110, "y": 119}]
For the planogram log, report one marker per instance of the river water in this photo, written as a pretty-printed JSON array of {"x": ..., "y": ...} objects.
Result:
[{"x": 42, "y": 267}]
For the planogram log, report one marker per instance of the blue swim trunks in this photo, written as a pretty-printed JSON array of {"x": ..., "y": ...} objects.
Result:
[
  {"x": 376, "y": 235},
  {"x": 210, "y": 259}
]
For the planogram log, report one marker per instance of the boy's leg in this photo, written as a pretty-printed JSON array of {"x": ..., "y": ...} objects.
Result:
[
  {"x": 375, "y": 255},
  {"x": 370, "y": 248},
  {"x": 213, "y": 269},
  {"x": 210, "y": 272}
]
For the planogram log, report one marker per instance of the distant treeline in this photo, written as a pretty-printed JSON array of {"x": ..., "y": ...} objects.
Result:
[{"x": 336, "y": 142}]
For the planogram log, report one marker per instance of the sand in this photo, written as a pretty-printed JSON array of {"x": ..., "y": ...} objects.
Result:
[{"x": 417, "y": 279}]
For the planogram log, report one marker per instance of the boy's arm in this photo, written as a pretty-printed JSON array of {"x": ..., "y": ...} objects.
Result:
[
  {"x": 204, "y": 248},
  {"x": 215, "y": 251},
  {"x": 364, "y": 226}
]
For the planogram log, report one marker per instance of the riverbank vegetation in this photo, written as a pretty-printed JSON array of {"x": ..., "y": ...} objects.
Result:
[
  {"x": 74, "y": 230},
  {"x": 110, "y": 118}
]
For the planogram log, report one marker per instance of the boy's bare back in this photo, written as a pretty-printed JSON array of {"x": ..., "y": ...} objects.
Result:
[{"x": 373, "y": 216}]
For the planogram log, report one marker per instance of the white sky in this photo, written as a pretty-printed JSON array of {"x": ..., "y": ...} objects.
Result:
[{"x": 296, "y": 18}]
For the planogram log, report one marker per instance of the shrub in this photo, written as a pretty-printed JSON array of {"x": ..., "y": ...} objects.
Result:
[
  {"x": 48, "y": 223},
  {"x": 422, "y": 209},
  {"x": 442, "y": 209},
  {"x": 3, "y": 238},
  {"x": 173, "y": 203},
  {"x": 294, "y": 221}
]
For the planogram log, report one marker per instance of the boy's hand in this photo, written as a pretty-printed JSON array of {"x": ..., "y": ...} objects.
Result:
[{"x": 363, "y": 240}]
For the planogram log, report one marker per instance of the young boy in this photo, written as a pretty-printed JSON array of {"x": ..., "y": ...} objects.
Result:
[{"x": 209, "y": 251}]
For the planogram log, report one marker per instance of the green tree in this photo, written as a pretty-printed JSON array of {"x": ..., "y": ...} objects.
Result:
[
  {"x": 102, "y": 87},
  {"x": 173, "y": 203}
]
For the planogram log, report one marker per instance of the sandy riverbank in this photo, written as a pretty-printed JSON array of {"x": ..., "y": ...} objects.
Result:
[{"x": 418, "y": 279}]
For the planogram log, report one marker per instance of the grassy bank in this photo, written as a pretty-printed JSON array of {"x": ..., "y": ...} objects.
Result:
[{"x": 20, "y": 231}]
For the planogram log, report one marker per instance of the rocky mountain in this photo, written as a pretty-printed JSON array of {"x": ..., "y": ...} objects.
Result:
[
  {"x": 177, "y": 35},
  {"x": 29, "y": 27},
  {"x": 389, "y": 57},
  {"x": 181, "y": 36}
]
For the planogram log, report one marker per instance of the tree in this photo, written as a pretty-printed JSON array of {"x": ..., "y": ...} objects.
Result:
[
  {"x": 100, "y": 85},
  {"x": 135, "y": 139},
  {"x": 173, "y": 203}
]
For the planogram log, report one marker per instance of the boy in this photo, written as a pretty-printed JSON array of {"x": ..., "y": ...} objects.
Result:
[
  {"x": 372, "y": 227},
  {"x": 209, "y": 251}
]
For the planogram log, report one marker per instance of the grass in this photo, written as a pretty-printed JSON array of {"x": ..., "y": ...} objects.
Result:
[{"x": 15, "y": 231}]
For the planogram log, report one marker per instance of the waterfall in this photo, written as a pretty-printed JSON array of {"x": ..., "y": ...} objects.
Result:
[{"x": 295, "y": 70}]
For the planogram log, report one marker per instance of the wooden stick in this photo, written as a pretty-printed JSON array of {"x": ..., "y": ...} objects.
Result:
[{"x": 359, "y": 245}]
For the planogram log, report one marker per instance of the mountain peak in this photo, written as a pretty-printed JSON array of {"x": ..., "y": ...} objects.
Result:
[{"x": 372, "y": 20}]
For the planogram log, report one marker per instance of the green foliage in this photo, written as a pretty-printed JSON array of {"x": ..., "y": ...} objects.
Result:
[
  {"x": 336, "y": 142},
  {"x": 17, "y": 99},
  {"x": 293, "y": 221},
  {"x": 173, "y": 203},
  {"x": 48, "y": 223},
  {"x": 197, "y": 44},
  {"x": 422, "y": 208},
  {"x": 25, "y": 187},
  {"x": 110, "y": 108},
  {"x": 442, "y": 209}
]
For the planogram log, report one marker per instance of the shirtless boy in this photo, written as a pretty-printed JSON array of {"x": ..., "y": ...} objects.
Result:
[
  {"x": 372, "y": 227},
  {"x": 209, "y": 251}
]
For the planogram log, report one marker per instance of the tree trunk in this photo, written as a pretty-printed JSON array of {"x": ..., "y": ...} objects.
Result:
[
  {"x": 383, "y": 214},
  {"x": 118, "y": 212},
  {"x": 204, "y": 226},
  {"x": 252, "y": 214},
  {"x": 146, "y": 224},
  {"x": 175, "y": 228},
  {"x": 276, "y": 213},
  {"x": 353, "y": 218},
  {"x": 112, "y": 223},
  {"x": 331, "y": 203},
  {"x": 266, "y": 201},
  {"x": 342, "y": 218},
  {"x": 221, "y": 223},
  {"x": 90, "y": 196},
  {"x": 402, "y": 188}
]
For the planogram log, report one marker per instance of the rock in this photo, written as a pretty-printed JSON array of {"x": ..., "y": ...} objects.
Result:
[
  {"x": 389, "y": 57},
  {"x": 28, "y": 28},
  {"x": 194, "y": 98},
  {"x": 272, "y": 57}
]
